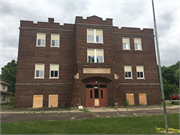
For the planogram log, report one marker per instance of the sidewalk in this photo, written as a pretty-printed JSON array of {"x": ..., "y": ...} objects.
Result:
[{"x": 89, "y": 109}]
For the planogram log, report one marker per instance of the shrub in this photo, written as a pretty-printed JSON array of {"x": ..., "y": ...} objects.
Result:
[
  {"x": 126, "y": 103},
  {"x": 11, "y": 100}
]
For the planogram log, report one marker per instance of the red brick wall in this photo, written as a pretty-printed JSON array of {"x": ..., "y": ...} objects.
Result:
[{"x": 72, "y": 58}]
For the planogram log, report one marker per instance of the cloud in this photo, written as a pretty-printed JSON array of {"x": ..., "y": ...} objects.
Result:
[{"x": 124, "y": 14}]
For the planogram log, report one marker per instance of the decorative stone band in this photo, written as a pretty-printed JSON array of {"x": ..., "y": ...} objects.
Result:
[
  {"x": 157, "y": 84},
  {"x": 96, "y": 70},
  {"x": 44, "y": 84}
]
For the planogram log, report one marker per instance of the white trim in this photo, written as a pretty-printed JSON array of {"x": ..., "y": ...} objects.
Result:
[
  {"x": 129, "y": 43},
  {"x": 125, "y": 74},
  {"x": 53, "y": 70},
  {"x": 37, "y": 40},
  {"x": 95, "y": 36},
  {"x": 95, "y": 55},
  {"x": 134, "y": 44},
  {"x": 58, "y": 42},
  {"x": 35, "y": 72},
  {"x": 143, "y": 72}
]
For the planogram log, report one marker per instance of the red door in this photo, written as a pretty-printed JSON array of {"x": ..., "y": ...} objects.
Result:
[{"x": 96, "y": 95}]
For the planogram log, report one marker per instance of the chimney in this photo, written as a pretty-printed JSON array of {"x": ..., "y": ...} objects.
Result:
[{"x": 51, "y": 20}]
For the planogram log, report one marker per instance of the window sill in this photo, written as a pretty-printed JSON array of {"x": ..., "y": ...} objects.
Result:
[
  {"x": 39, "y": 78},
  {"x": 96, "y": 42},
  {"x": 40, "y": 46},
  {"x": 55, "y": 46},
  {"x": 127, "y": 49},
  {"x": 138, "y": 50},
  {"x": 128, "y": 78},
  {"x": 141, "y": 78},
  {"x": 54, "y": 78}
]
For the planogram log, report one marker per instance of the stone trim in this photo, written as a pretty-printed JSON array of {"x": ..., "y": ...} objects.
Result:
[
  {"x": 44, "y": 84},
  {"x": 157, "y": 84},
  {"x": 132, "y": 34},
  {"x": 87, "y": 24},
  {"x": 45, "y": 29}
]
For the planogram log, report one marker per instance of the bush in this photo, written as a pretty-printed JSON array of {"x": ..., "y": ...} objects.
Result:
[
  {"x": 126, "y": 103},
  {"x": 11, "y": 98}
]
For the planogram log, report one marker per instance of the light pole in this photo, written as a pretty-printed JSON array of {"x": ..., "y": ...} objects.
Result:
[{"x": 159, "y": 63}]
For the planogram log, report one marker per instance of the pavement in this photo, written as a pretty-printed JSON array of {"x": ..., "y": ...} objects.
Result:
[{"x": 30, "y": 114}]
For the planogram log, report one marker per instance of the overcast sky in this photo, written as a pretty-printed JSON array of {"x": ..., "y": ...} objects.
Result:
[{"x": 125, "y": 13}]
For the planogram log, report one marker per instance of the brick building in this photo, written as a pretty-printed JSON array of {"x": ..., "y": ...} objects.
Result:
[{"x": 91, "y": 63}]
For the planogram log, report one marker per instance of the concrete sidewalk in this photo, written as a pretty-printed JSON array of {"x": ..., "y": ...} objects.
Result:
[
  {"x": 88, "y": 113},
  {"x": 75, "y": 110}
]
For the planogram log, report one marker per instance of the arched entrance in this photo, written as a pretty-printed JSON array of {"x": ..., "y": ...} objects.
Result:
[{"x": 96, "y": 94}]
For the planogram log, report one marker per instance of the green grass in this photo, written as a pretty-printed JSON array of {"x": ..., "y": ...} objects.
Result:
[
  {"x": 112, "y": 125},
  {"x": 6, "y": 105}
]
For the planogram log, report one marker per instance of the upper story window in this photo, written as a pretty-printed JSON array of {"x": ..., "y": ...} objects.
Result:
[
  {"x": 137, "y": 44},
  {"x": 41, "y": 39},
  {"x": 55, "y": 38},
  {"x": 95, "y": 55},
  {"x": 4, "y": 87},
  {"x": 126, "y": 43},
  {"x": 140, "y": 72},
  {"x": 94, "y": 36},
  {"x": 39, "y": 70},
  {"x": 128, "y": 72},
  {"x": 54, "y": 70}
]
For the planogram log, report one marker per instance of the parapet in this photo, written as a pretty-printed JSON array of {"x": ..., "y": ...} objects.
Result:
[
  {"x": 93, "y": 20},
  {"x": 48, "y": 25}
]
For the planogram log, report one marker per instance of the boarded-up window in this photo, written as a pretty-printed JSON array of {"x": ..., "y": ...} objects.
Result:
[
  {"x": 41, "y": 38},
  {"x": 140, "y": 72},
  {"x": 142, "y": 99},
  {"x": 37, "y": 101},
  {"x": 128, "y": 71},
  {"x": 54, "y": 70},
  {"x": 130, "y": 98},
  {"x": 39, "y": 70},
  {"x": 53, "y": 100},
  {"x": 137, "y": 44},
  {"x": 126, "y": 45},
  {"x": 55, "y": 40}
]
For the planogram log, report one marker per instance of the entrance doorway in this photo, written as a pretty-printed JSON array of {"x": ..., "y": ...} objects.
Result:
[{"x": 96, "y": 95}]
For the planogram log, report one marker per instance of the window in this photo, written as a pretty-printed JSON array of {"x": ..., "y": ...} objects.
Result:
[
  {"x": 128, "y": 72},
  {"x": 54, "y": 70},
  {"x": 41, "y": 38},
  {"x": 4, "y": 87},
  {"x": 95, "y": 55},
  {"x": 4, "y": 98},
  {"x": 39, "y": 70},
  {"x": 137, "y": 43},
  {"x": 95, "y": 35},
  {"x": 55, "y": 40},
  {"x": 126, "y": 45},
  {"x": 140, "y": 72}
]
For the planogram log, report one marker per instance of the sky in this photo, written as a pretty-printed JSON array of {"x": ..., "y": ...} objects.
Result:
[{"x": 125, "y": 13}]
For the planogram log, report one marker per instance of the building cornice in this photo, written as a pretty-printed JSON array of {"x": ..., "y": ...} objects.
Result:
[{"x": 45, "y": 29}]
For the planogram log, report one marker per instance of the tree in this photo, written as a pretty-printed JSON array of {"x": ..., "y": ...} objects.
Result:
[{"x": 9, "y": 74}]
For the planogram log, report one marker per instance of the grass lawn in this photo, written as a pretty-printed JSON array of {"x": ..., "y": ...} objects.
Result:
[
  {"x": 112, "y": 125},
  {"x": 6, "y": 105}
]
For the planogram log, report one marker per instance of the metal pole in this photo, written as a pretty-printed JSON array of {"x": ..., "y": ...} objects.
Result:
[{"x": 159, "y": 63}]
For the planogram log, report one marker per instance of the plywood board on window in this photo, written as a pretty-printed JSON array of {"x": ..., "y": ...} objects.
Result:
[
  {"x": 130, "y": 98},
  {"x": 53, "y": 100},
  {"x": 96, "y": 102},
  {"x": 38, "y": 101},
  {"x": 142, "y": 99}
]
